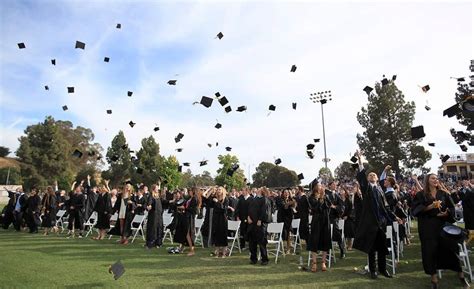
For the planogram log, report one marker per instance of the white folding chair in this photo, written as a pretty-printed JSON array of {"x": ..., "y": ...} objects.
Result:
[
  {"x": 275, "y": 230},
  {"x": 59, "y": 219},
  {"x": 274, "y": 216},
  {"x": 89, "y": 225},
  {"x": 295, "y": 238},
  {"x": 396, "y": 228},
  {"x": 113, "y": 219},
  {"x": 330, "y": 256},
  {"x": 167, "y": 219},
  {"x": 198, "y": 236},
  {"x": 233, "y": 226},
  {"x": 137, "y": 226},
  {"x": 464, "y": 257},
  {"x": 391, "y": 250},
  {"x": 340, "y": 224}
]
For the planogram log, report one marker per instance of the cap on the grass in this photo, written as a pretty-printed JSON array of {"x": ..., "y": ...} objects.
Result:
[{"x": 117, "y": 269}]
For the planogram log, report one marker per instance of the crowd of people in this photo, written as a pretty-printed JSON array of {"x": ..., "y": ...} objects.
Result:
[{"x": 367, "y": 204}]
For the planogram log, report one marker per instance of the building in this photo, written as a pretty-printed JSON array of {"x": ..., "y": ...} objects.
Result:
[{"x": 459, "y": 166}]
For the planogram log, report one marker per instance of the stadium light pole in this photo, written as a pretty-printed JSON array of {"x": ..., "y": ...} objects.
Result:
[{"x": 322, "y": 97}]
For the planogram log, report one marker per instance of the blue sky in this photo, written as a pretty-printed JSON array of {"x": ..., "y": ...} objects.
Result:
[{"x": 337, "y": 46}]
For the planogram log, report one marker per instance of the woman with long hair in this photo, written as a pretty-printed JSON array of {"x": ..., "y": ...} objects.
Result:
[
  {"x": 154, "y": 225},
  {"x": 185, "y": 214},
  {"x": 285, "y": 205},
  {"x": 124, "y": 206},
  {"x": 103, "y": 207},
  {"x": 434, "y": 207},
  {"x": 219, "y": 222},
  {"x": 48, "y": 205},
  {"x": 348, "y": 217},
  {"x": 320, "y": 236}
]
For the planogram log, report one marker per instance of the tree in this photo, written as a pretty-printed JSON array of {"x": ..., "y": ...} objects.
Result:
[
  {"x": 203, "y": 180},
  {"x": 387, "y": 121},
  {"x": 345, "y": 171},
  {"x": 14, "y": 176},
  {"x": 262, "y": 173},
  {"x": 170, "y": 176},
  {"x": 4, "y": 151},
  {"x": 237, "y": 180},
  {"x": 465, "y": 117},
  {"x": 149, "y": 161},
  {"x": 120, "y": 163},
  {"x": 280, "y": 177}
]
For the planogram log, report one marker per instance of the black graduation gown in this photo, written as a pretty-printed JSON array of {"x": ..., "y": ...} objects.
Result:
[
  {"x": 349, "y": 222},
  {"x": 320, "y": 235},
  {"x": 302, "y": 206},
  {"x": 127, "y": 228},
  {"x": 284, "y": 215},
  {"x": 467, "y": 197},
  {"x": 140, "y": 204},
  {"x": 242, "y": 212},
  {"x": 220, "y": 224},
  {"x": 33, "y": 212},
  {"x": 91, "y": 199},
  {"x": 335, "y": 214},
  {"x": 7, "y": 217},
  {"x": 370, "y": 221},
  {"x": 76, "y": 215},
  {"x": 49, "y": 211},
  {"x": 232, "y": 204},
  {"x": 436, "y": 253},
  {"x": 206, "y": 225},
  {"x": 185, "y": 222},
  {"x": 357, "y": 210},
  {"x": 154, "y": 225},
  {"x": 103, "y": 207}
]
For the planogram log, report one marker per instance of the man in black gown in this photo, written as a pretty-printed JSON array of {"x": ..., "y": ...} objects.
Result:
[
  {"x": 371, "y": 232},
  {"x": 337, "y": 209},
  {"x": 259, "y": 214},
  {"x": 241, "y": 213}
]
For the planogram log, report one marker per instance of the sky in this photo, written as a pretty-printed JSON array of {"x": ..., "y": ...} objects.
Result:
[{"x": 337, "y": 46}]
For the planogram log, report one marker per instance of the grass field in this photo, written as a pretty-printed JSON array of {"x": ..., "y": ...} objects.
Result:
[{"x": 37, "y": 261}]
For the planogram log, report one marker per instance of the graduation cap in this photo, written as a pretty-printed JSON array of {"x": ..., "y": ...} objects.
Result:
[
  {"x": 106, "y": 59},
  {"x": 417, "y": 132},
  {"x": 217, "y": 94},
  {"x": 316, "y": 140},
  {"x": 202, "y": 163},
  {"x": 77, "y": 153},
  {"x": 206, "y": 101},
  {"x": 70, "y": 89},
  {"x": 129, "y": 93},
  {"x": 109, "y": 111},
  {"x": 271, "y": 107},
  {"x": 394, "y": 77},
  {"x": 427, "y": 108},
  {"x": 125, "y": 146},
  {"x": 384, "y": 82},
  {"x": 459, "y": 79},
  {"x": 46, "y": 87},
  {"x": 228, "y": 149},
  {"x": 156, "y": 128},
  {"x": 277, "y": 162},
  {"x": 179, "y": 137},
  {"x": 131, "y": 124},
  {"x": 223, "y": 101},
  {"x": 65, "y": 107},
  {"x": 186, "y": 164},
  {"x": 172, "y": 82},
  {"x": 114, "y": 158},
  {"x": 117, "y": 269},
  {"x": 180, "y": 169},
  {"x": 425, "y": 88},
  {"x": 118, "y": 26},
  {"x": 230, "y": 172},
  {"x": 242, "y": 108},
  {"x": 218, "y": 125},
  {"x": 368, "y": 89},
  {"x": 444, "y": 158},
  {"x": 354, "y": 159},
  {"x": 310, "y": 146},
  {"x": 80, "y": 45},
  {"x": 53, "y": 61},
  {"x": 209, "y": 145},
  {"x": 310, "y": 154},
  {"x": 293, "y": 68},
  {"x": 463, "y": 148},
  {"x": 217, "y": 143},
  {"x": 300, "y": 177},
  {"x": 294, "y": 105},
  {"x": 179, "y": 150},
  {"x": 431, "y": 144},
  {"x": 354, "y": 166},
  {"x": 228, "y": 109},
  {"x": 21, "y": 45},
  {"x": 452, "y": 111},
  {"x": 462, "y": 135},
  {"x": 220, "y": 35}
]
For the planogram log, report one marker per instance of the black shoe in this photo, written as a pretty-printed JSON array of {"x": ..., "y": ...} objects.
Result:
[
  {"x": 373, "y": 275},
  {"x": 253, "y": 262},
  {"x": 386, "y": 274},
  {"x": 264, "y": 263}
]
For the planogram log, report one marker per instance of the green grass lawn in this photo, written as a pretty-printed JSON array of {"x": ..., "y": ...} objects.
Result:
[{"x": 37, "y": 261}]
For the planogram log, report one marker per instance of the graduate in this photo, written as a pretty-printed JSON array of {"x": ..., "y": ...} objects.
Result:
[
  {"x": 49, "y": 206},
  {"x": 285, "y": 206},
  {"x": 241, "y": 213},
  {"x": 348, "y": 216},
  {"x": 103, "y": 207},
  {"x": 7, "y": 216},
  {"x": 219, "y": 222},
  {"x": 260, "y": 214},
  {"x": 90, "y": 196},
  {"x": 302, "y": 206},
  {"x": 375, "y": 215},
  {"x": 124, "y": 206},
  {"x": 76, "y": 204},
  {"x": 140, "y": 201},
  {"x": 20, "y": 208},
  {"x": 337, "y": 208},
  {"x": 32, "y": 211},
  {"x": 185, "y": 215},
  {"x": 433, "y": 207},
  {"x": 319, "y": 239},
  {"x": 206, "y": 229},
  {"x": 154, "y": 225}
]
